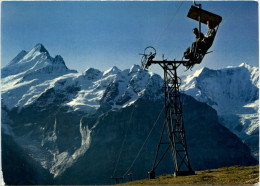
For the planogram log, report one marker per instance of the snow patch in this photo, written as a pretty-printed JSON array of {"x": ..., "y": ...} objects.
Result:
[
  {"x": 233, "y": 92},
  {"x": 64, "y": 160}
]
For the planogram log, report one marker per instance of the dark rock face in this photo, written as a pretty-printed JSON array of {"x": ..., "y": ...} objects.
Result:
[
  {"x": 234, "y": 93},
  {"x": 210, "y": 145},
  {"x": 47, "y": 141},
  {"x": 216, "y": 144},
  {"x": 19, "y": 168}
]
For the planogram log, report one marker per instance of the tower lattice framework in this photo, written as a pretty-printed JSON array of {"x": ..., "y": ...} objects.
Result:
[{"x": 173, "y": 122}]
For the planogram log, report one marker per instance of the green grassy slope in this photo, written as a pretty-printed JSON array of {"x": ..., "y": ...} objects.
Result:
[{"x": 227, "y": 175}]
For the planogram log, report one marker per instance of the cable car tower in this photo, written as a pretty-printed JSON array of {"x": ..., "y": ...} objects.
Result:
[{"x": 173, "y": 121}]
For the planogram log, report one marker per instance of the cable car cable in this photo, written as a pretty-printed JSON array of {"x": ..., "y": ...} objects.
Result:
[
  {"x": 157, "y": 41},
  {"x": 123, "y": 144},
  {"x": 175, "y": 13},
  {"x": 139, "y": 152},
  {"x": 233, "y": 13}
]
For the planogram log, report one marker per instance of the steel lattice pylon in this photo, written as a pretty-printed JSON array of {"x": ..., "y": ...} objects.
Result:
[{"x": 173, "y": 122}]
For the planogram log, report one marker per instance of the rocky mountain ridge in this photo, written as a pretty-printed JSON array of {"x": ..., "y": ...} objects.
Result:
[
  {"x": 234, "y": 93},
  {"x": 71, "y": 125}
]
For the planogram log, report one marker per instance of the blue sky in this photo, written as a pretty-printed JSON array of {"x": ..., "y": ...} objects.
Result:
[{"x": 103, "y": 34}]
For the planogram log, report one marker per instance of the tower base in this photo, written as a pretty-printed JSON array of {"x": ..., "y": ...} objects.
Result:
[{"x": 151, "y": 174}]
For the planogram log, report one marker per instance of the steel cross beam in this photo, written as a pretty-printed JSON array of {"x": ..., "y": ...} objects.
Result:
[
  {"x": 164, "y": 63},
  {"x": 173, "y": 122}
]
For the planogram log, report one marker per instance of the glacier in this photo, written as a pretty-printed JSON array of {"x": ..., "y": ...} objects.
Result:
[
  {"x": 29, "y": 76},
  {"x": 35, "y": 74},
  {"x": 234, "y": 93},
  {"x": 65, "y": 122}
]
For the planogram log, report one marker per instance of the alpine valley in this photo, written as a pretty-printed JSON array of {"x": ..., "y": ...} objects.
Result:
[{"x": 60, "y": 126}]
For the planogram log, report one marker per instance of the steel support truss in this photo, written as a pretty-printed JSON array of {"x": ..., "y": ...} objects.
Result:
[{"x": 173, "y": 122}]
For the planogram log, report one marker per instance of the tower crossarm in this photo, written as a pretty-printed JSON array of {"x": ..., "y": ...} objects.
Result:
[{"x": 170, "y": 64}]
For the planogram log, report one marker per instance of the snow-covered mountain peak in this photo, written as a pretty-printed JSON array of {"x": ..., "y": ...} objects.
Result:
[
  {"x": 92, "y": 73},
  {"x": 191, "y": 77},
  {"x": 28, "y": 70},
  {"x": 58, "y": 60},
  {"x": 39, "y": 48},
  {"x": 234, "y": 93},
  {"x": 135, "y": 68},
  {"x": 254, "y": 73},
  {"x": 18, "y": 57},
  {"x": 112, "y": 70},
  {"x": 224, "y": 88},
  {"x": 36, "y": 61},
  {"x": 241, "y": 66},
  {"x": 242, "y": 70},
  {"x": 38, "y": 51},
  {"x": 25, "y": 56},
  {"x": 245, "y": 65}
]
